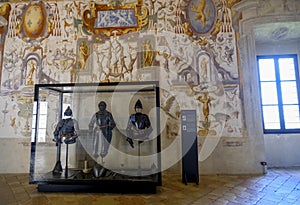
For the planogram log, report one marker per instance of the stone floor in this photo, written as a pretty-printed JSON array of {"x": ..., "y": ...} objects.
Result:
[{"x": 278, "y": 186}]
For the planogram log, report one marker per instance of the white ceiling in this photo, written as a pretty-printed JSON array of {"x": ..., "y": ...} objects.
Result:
[{"x": 280, "y": 31}]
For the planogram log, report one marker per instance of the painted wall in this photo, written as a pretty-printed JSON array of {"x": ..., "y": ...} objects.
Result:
[{"x": 190, "y": 47}]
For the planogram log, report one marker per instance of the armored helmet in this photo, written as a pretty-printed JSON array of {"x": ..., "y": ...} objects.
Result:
[
  {"x": 102, "y": 105},
  {"x": 138, "y": 104},
  {"x": 68, "y": 111}
]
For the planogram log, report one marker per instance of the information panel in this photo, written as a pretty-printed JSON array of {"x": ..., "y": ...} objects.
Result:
[{"x": 190, "y": 171}]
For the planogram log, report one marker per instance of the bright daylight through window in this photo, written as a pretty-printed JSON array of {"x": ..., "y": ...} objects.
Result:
[{"x": 279, "y": 89}]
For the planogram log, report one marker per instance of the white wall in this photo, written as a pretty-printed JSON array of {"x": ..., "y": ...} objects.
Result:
[
  {"x": 282, "y": 150},
  {"x": 15, "y": 155}
]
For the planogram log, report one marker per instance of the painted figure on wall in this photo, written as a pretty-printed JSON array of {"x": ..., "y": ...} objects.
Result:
[
  {"x": 204, "y": 69},
  {"x": 149, "y": 54},
  {"x": 104, "y": 125},
  {"x": 83, "y": 55},
  {"x": 31, "y": 70},
  {"x": 139, "y": 125},
  {"x": 206, "y": 101}
]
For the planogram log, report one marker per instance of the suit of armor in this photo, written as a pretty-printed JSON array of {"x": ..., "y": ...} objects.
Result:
[
  {"x": 139, "y": 125},
  {"x": 65, "y": 129},
  {"x": 104, "y": 125}
]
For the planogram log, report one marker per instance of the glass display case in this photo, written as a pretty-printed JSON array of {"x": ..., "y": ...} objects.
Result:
[{"x": 111, "y": 145}]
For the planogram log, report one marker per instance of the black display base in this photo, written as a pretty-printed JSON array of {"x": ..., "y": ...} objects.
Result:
[
  {"x": 77, "y": 181},
  {"x": 111, "y": 187}
]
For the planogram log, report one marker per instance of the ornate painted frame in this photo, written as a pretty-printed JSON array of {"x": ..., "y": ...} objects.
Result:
[{"x": 114, "y": 19}]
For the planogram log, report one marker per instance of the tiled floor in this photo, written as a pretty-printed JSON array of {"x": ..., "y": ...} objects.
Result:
[{"x": 278, "y": 186}]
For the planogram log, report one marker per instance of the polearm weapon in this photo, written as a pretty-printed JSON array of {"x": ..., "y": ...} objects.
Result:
[{"x": 58, "y": 168}]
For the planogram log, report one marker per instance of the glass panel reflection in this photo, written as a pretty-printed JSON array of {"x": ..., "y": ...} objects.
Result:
[
  {"x": 271, "y": 117},
  {"x": 32, "y": 135},
  {"x": 291, "y": 116},
  {"x": 34, "y": 108},
  {"x": 289, "y": 92},
  {"x": 286, "y": 69},
  {"x": 33, "y": 121},
  {"x": 43, "y": 108},
  {"x": 266, "y": 70},
  {"x": 269, "y": 93},
  {"x": 41, "y": 135},
  {"x": 42, "y": 121}
]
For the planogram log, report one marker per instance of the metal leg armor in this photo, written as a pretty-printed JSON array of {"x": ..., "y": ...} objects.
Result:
[
  {"x": 96, "y": 143},
  {"x": 105, "y": 142}
]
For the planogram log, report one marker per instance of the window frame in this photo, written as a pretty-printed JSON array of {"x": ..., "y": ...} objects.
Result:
[{"x": 278, "y": 81}]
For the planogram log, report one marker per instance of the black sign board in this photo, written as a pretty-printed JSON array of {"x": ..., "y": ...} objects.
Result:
[{"x": 189, "y": 143}]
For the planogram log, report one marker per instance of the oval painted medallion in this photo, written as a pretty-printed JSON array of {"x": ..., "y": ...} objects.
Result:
[
  {"x": 201, "y": 15},
  {"x": 34, "y": 20}
]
